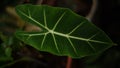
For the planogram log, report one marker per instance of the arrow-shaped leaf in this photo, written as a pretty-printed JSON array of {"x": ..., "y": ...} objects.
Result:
[{"x": 64, "y": 33}]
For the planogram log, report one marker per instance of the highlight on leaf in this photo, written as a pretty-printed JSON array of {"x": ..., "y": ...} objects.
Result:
[{"x": 64, "y": 33}]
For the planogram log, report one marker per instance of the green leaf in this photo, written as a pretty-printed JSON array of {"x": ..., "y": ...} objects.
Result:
[
  {"x": 64, "y": 33},
  {"x": 5, "y": 53},
  {"x": 8, "y": 51}
]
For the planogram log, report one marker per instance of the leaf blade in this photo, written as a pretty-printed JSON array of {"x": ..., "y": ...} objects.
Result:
[{"x": 81, "y": 37}]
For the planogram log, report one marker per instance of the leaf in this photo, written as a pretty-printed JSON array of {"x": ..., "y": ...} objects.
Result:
[
  {"x": 8, "y": 51},
  {"x": 5, "y": 50},
  {"x": 5, "y": 54},
  {"x": 64, "y": 33}
]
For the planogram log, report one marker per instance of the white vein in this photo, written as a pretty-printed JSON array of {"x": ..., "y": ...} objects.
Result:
[
  {"x": 76, "y": 27},
  {"x": 93, "y": 36},
  {"x": 99, "y": 41},
  {"x": 55, "y": 43},
  {"x": 43, "y": 40},
  {"x": 72, "y": 46},
  {"x": 58, "y": 21},
  {"x": 37, "y": 34},
  {"x": 91, "y": 46},
  {"x": 45, "y": 21},
  {"x": 28, "y": 37},
  {"x": 29, "y": 14},
  {"x": 33, "y": 20}
]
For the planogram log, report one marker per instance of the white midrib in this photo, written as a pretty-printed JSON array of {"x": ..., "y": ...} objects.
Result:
[
  {"x": 66, "y": 35},
  {"x": 73, "y": 37}
]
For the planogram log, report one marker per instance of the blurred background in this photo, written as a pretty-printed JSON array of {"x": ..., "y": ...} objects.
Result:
[{"x": 15, "y": 54}]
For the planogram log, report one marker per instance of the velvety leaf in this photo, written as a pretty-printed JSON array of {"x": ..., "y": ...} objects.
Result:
[{"x": 63, "y": 32}]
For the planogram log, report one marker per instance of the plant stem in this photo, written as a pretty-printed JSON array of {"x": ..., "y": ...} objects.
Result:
[
  {"x": 93, "y": 10},
  {"x": 39, "y": 2},
  {"x": 69, "y": 62}
]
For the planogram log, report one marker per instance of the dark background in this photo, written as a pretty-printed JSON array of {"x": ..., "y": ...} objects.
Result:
[{"x": 106, "y": 17}]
